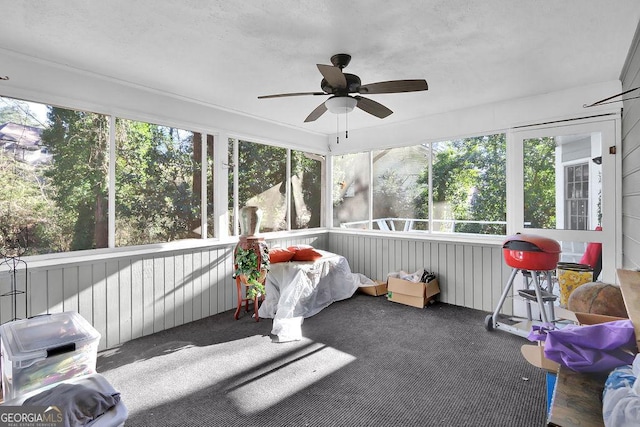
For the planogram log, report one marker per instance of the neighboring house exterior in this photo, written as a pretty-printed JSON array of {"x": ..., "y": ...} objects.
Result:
[{"x": 24, "y": 143}]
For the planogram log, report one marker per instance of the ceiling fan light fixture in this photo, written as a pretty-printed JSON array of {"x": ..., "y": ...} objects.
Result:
[{"x": 340, "y": 104}]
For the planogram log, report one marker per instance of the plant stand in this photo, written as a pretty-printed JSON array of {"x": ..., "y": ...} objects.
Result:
[
  {"x": 13, "y": 262},
  {"x": 256, "y": 244}
]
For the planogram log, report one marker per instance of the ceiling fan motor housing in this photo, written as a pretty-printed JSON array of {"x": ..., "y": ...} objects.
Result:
[{"x": 353, "y": 84}]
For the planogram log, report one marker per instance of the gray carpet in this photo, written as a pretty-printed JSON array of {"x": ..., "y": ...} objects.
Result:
[{"x": 364, "y": 361}]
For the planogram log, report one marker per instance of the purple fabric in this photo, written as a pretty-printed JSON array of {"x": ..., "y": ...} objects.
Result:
[{"x": 589, "y": 348}]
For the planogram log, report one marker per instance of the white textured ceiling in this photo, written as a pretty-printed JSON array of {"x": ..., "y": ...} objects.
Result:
[{"x": 226, "y": 53}]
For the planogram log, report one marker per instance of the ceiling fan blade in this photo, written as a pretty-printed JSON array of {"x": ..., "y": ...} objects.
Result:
[
  {"x": 281, "y": 95},
  {"x": 372, "y": 107},
  {"x": 320, "y": 110},
  {"x": 333, "y": 76},
  {"x": 394, "y": 86}
]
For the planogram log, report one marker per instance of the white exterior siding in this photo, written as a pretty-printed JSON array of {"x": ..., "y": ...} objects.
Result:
[{"x": 630, "y": 78}]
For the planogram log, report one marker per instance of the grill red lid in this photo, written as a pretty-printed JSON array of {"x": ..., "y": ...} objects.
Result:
[{"x": 531, "y": 243}]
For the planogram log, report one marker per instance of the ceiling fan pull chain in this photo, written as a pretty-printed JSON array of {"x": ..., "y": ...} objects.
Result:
[
  {"x": 346, "y": 126},
  {"x": 337, "y": 128}
]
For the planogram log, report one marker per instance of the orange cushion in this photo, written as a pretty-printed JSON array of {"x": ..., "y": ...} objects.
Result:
[
  {"x": 304, "y": 253},
  {"x": 280, "y": 255}
]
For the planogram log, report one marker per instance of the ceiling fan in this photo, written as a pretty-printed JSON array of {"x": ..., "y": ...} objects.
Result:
[{"x": 340, "y": 85}]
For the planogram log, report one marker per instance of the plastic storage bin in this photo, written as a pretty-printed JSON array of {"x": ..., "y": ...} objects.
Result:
[
  {"x": 44, "y": 350},
  {"x": 570, "y": 277},
  {"x": 114, "y": 417}
]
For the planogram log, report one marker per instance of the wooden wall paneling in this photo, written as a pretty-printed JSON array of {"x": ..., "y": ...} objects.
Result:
[
  {"x": 173, "y": 303},
  {"x": 369, "y": 261},
  {"x": 385, "y": 259},
  {"x": 137, "y": 298},
  {"x": 487, "y": 279},
  {"x": 228, "y": 283},
  {"x": 451, "y": 288},
  {"x": 196, "y": 274},
  {"x": 70, "y": 288},
  {"x": 477, "y": 278},
  {"x": 186, "y": 279},
  {"x": 631, "y": 218},
  {"x": 631, "y": 160},
  {"x": 413, "y": 261},
  {"x": 158, "y": 293},
  {"x": 55, "y": 291},
  {"x": 125, "y": 296},
  {"x": 148, "y": 297},
  {"x": 219, "y": 273},
  {"x": 395, "y": 256},
  {"x": 419, "y": 255},
  {"x": 632, "y": 118},
  {"x": 434, "y": 259},
  {"x": 377, "y": 256},
  {"x": 351, "y": 250},
  {"x": 22, "y": 300},
  {"x": 85, "y": 285},
  {"x": 38, "y": 292},
  {"x": 99, "y": 320},
  {"x": 442, "y": 268},
  {"x": 214, "y": 263},
  {"x": 112, "y": 304},
  {"x": 401, "y": 255},
  {"x": 631, "y": 183},
  {"x": 222, "y": 272},
  {"x": 630, "y": 247},
  {"x": 458, "y": 262},
  {"x": 631, "y": 147}
]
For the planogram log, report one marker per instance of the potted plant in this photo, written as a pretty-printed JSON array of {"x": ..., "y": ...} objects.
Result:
[{"x": 252, "y": 265}]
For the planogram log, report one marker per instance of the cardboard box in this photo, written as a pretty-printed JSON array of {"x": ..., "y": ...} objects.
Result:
[
  {"x": 534, "y": 353},
  {"x": 580, "y": 318},
  {"x": 630, "y": 286},
  {"x": 379, "y": 289},
  {"x": 411, "y": 293}
]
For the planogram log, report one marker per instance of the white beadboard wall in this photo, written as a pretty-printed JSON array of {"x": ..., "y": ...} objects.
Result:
[
  {"x": 130, "y": 296},
  {"x": 630, "y": 78},
  {"x": 470, "y": 275}
]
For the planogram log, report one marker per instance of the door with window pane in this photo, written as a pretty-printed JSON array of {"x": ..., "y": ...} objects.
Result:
[{"x": 562, "y": 182}]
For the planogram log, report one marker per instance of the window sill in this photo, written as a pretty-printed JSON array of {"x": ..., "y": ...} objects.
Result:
[{"x": 472, "y": 239}]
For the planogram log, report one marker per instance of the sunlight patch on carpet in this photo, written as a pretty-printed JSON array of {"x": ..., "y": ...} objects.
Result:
[{"x": 263, "y": 388}]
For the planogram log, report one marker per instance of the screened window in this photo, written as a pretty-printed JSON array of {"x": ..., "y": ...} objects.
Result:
[
  {"x": 262, "y": 182},
  {"x": 456, "y": 186},
  {"x": 158, "y": 183},
  {"x": 287, "y": 202},
  {"x": 351, "y": 191},
  {"x": 400, "y": 197},
  {"x": 306, "y": 190},
  {"x": 53, "y": 166},
  {"x": 469, "y": 185}
]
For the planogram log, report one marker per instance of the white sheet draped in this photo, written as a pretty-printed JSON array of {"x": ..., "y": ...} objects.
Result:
[{"x": 296, "y": 290}]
